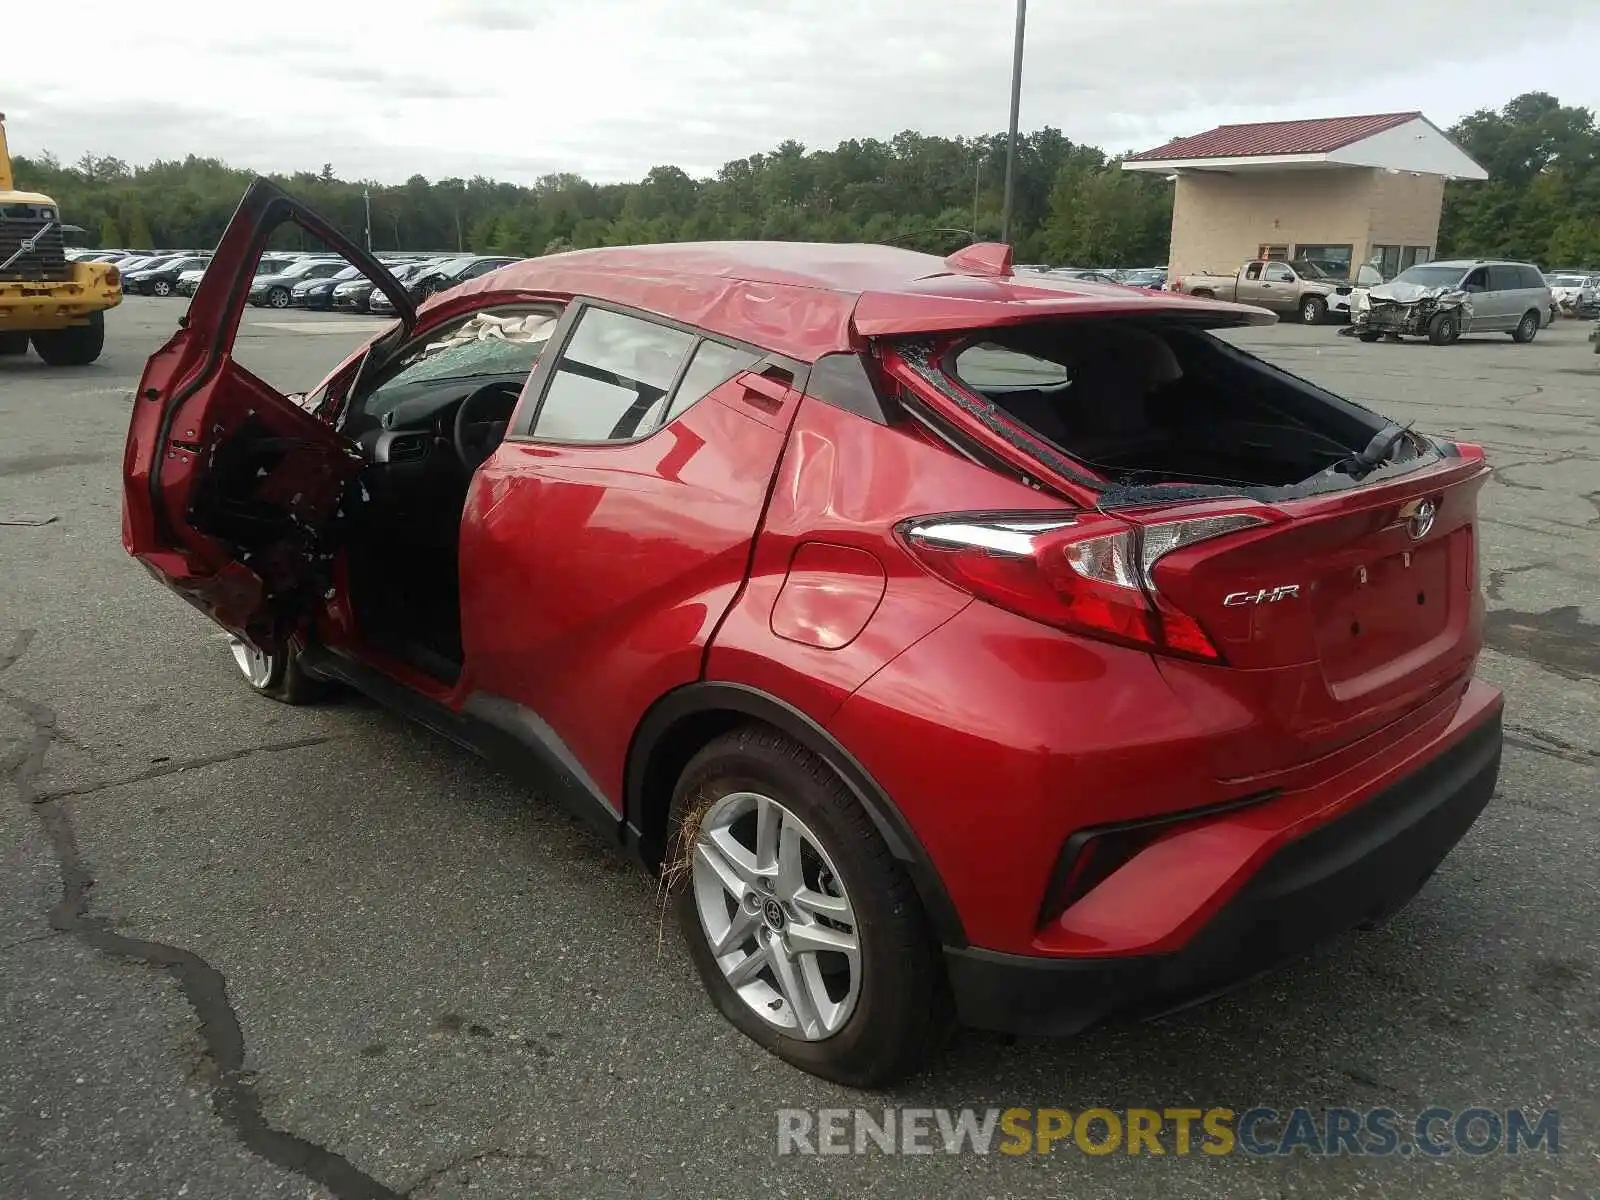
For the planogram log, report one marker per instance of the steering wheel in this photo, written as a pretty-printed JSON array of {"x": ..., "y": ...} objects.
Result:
[{"x": 481, "y": 421}]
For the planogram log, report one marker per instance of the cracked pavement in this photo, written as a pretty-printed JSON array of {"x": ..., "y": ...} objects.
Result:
[{"x": 254, "y": 951}]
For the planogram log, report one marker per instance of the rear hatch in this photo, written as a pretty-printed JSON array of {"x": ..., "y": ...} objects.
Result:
[
  {"x": 1294, "y": 619},
  {"x": 1334, "y": 620}
]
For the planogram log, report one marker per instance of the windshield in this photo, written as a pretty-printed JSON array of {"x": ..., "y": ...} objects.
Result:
[
  {"x": 1431, "y": 276},
  {"x": 349, "y": 273},
  {"x": 1307, "y": 269}
]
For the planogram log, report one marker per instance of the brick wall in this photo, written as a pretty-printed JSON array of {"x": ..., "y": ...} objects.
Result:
[{"x": 1220, "y": 220}]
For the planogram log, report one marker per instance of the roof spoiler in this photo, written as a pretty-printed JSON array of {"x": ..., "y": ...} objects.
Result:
[{"x": 982, "y": 258}]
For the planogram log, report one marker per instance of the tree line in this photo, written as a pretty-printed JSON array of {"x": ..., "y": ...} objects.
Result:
[{"x": 1073, "y": 203}]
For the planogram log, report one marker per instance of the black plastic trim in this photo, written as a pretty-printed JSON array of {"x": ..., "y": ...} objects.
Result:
[
  {"x": 1053, "y": 904},
  {"x": 710, "y": 696},
  {"x": 842, "y": 380},
  {"x": 502, "y": 731}
]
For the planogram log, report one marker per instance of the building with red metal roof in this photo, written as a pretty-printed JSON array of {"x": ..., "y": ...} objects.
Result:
[{"x": 1340, "y": 191}]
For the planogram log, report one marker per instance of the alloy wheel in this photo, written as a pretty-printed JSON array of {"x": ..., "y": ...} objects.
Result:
[
  {"x": 162, "y": 288},
  {"x": 278, "y": 298},
  {"x": 255, "y": 664},
  {"x": 776, "y": 916}
]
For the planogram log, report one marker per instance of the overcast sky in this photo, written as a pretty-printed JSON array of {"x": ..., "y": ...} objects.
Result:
[{"x": 513, "y": 89}]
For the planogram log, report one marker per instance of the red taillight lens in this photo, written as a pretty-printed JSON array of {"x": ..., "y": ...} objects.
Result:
[
  {"x": 113, "y": 276},
  {"x": 1085, "y": 572}
]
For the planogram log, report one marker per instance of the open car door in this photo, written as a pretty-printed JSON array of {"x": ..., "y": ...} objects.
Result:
[{"x": 230, "y": 489}]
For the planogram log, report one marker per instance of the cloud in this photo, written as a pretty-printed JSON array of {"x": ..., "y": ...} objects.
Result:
[{"x": 609, "y": 88}]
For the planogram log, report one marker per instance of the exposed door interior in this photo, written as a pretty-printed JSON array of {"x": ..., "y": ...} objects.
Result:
[{"x": 425, "y": 421}]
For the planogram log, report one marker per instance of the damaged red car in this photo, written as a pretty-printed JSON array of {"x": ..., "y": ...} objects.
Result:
[{"x": 963, "y": 647}]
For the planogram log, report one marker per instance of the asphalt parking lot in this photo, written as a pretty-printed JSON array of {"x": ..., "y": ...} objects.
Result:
[{"x": 258, "y": 951}]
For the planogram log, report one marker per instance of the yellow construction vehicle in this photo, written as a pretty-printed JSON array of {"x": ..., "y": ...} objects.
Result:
[{"x": 58, "y": 306}]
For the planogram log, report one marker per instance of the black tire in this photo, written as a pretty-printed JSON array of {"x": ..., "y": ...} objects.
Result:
[
  {"x": 278, "y": 297},
  {"x": 161, "y": 288},
  {"x": 280, "y": 677},
  {"x": 1527, "y": 329},
  {"x": 1369, "y": 335},
  {"x": 903, "y": 1010},
  {"x": 74, "y": 346},
  {"x": 13, "y": 343},
  {"x": 1443, "y": 330},
  {"x": 1313, "y": 310}
]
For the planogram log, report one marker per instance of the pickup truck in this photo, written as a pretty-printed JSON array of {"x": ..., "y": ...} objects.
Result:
[{"x": 1298, "y": 288}]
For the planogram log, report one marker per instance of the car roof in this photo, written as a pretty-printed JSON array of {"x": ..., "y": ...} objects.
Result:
[
  {"x": 809, "y": 299},
  {"x": 1475, "y": 262}
]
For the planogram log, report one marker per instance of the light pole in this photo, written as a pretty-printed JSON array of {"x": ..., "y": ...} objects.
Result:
[
  {"x": 366, "y": 196},
  {"x": 1016, "y": 106},
  {"x": 977, "y": 187}
]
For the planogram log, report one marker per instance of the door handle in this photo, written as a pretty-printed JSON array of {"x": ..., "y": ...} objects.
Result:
[{"x": 764, "y": 391}]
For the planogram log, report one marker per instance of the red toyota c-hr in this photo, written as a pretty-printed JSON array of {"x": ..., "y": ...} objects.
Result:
[{"x": 957, "y": 644}]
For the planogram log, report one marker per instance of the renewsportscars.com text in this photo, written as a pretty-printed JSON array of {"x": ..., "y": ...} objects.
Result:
[{"x": 1374, "y": 1132}]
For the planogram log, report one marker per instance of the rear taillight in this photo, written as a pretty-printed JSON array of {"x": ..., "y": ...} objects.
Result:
[
  {"x": 113, "y": 276},
  {"x": 1082, "y": 571}
]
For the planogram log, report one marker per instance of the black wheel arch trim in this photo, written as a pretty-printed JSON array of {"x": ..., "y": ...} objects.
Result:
[{"x": 710, "y": 696}]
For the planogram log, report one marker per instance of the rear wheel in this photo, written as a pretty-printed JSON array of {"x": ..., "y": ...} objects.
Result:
[
  {"x": 13, "y": 343},
  {"x": 1442, "y": 330},
  {"x": 1527, "y": 328},
  {"x": 1313, "y": 310},
  {"x": 74, "y": 346},
  {"x": 161, "y": 287},
  {"x": 276, "y": 676},
  {"x": 805, "y": 930}
]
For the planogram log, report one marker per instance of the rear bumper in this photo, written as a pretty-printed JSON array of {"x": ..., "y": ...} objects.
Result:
[
  {"x": 40, "y": 306},
  {"x": 1357, "y": 868}
]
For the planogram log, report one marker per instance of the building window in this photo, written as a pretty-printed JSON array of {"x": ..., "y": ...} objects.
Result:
[
  {"x": 1333, "y": 261},
  {"x": 1386, "y": 259},
  {"x": 1412, "y": 255},
  {"x": 1273, "y": 253}
]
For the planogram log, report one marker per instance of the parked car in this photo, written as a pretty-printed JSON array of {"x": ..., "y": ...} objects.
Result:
[
  {"x": 189, "y": 280},
  {"x": 1301, "y": 289},
  {"x": 1079, "y": 707},
  {"x": 1575, "y": 294},
  {"x": 1443, "y": 300},
  {"x": 1153, "y": 278},
  {"x": 160, "y": 280},
  {"x": 451, "y": 271},
  {"x": 355, "y": 295},
  {"x": 317, "y": 293},
  {"x": 277, "y": 290}
]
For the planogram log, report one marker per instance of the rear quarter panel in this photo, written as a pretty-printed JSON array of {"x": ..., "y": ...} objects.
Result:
[{"x": 843, "y": 485}]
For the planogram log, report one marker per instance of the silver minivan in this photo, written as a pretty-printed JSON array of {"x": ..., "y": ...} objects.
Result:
[{"x": 1443, "y": 300}]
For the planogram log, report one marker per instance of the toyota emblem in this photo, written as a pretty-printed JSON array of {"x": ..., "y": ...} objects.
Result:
[{"x": 1421, "y": 519}]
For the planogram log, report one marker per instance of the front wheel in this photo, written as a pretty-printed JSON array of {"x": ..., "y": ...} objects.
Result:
[
  {"x": 805, "y": 930},
  {"x": 1313, "y": 310},
  {"x": 161, "y": 287},
  {"x": 74, "y": 346},
  {"x": 277, "y": 676},
  {"x": 1527, "y": 328},
  {"x": 278, "y": 297},
  {"x": 1442, "y": 330}
]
